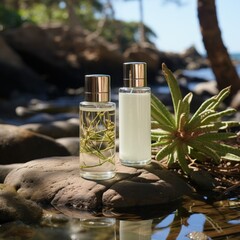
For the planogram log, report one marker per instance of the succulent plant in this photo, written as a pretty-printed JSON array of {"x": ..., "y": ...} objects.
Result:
[{"x": 182, "y": 136}]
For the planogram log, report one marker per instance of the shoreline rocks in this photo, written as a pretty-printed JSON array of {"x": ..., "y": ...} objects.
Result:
[{"x": 47, "y": 61}]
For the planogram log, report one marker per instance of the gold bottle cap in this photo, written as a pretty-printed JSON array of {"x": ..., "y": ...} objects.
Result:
[
  {"x": 97, "y": 88},
  {"x": 135, "y": 74}
]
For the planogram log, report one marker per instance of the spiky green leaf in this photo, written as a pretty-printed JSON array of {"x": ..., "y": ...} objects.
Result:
[
  {"x": 207, "y": 151},
  {"x": 183, "y": 108},
  {"x": 161, "y": 120},
  {"x": 216, "y": 136},
  {"x": 197, "y": 121},
  {"x": 162, "y": 110},
  {"x": 166, "y": 151},
  {"x": 173, "y": 86},
  {"x": 224, "y": 149},
  {"x": 221, "y": 96},
  {"x": 182, "y": 158},
  {"x": 231, "y": 157},
  {"x": 216, "y": 116}
]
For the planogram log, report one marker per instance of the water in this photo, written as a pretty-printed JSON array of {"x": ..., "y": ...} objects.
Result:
[
  {"x": 204, "y": 73},
  {"x": 235, "y": 56},
  {"x": 188, "y": 219},
  {"x": 207, "y": 73}
]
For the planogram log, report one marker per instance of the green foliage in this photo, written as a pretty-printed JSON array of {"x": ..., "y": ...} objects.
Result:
[
  {"x": 183, "y": 136},
  {"x": 46, "y": 11},
  {"x": 9, "y": 18},
  {"x": 40, "y": 13},
  {"x": 125, "y": 33}
]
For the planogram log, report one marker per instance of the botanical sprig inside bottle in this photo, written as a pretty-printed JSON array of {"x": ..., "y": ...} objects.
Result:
[{"x": 97, "y": 129}]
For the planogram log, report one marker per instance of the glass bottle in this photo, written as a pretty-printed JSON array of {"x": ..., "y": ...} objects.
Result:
[
  {"x": 97, "y": 129},
  {"x": 135, "y": 116}
]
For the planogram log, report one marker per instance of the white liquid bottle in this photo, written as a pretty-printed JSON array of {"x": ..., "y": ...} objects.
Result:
[
  {"x": 97, "y": 129},
  {"x": 135, "y": 116}
]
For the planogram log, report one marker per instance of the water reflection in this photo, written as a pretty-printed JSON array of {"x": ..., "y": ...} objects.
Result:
[
  {"x": 191, "y": 229},
  {"x": 135, "y": 230},
  {"x": 192, "y": 219},
  {"x": 93, "y": 228}
]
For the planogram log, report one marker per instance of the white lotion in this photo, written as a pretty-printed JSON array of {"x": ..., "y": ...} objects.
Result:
[{"x": 135, "y": 117}]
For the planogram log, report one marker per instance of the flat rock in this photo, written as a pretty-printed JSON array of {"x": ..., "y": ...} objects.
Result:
[
  {"x": 19, "y": 145},
  {"x": 57, "y": 181},
  {"x": 14, "y": 207}
]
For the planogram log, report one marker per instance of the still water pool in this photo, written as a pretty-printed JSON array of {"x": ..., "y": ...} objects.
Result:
[{"x": 195, "y": 219}]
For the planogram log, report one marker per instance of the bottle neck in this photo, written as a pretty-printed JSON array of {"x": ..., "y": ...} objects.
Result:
[
  {"x": 136, "y": 83},
  {"x": 97, "y": 97}
]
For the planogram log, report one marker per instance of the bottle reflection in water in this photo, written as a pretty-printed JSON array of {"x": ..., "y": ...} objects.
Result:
[
  {"x": 135, "y": 230},
  {"x": 93, "y": 229}
]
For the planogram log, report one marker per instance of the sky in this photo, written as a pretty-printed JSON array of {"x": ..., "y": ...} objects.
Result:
[{"x": 177, "y": 28}]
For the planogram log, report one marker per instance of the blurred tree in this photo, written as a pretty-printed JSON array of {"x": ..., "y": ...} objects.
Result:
[
  {"x": 128, "y": 33},
  {"x": 119, "y": 32},
  {"x": 141, "y": 27},
  {"x": 9, "y": 18},
  {"x": 11, "y": 4},
  {"x": 97, "y": 16},
  {"x": 217, "y": 53},
  {"x": 73, "y": 12},
  {"x": 72, "y": 15}
]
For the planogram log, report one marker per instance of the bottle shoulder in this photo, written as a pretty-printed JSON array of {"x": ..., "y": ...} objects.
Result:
[
  {"x": 98, "y": 106},
  {"x": 135, "y": 90}
]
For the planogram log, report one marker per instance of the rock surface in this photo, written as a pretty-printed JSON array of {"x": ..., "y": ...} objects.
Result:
[
  {"x": 19, "y": 145},
  {"x": 14, "y": 207},
  {"x": 71, "y": 144},
  {"x": 56, "y": 181},
  {"x": 6, "y": 169},
  {"x": 56, "y": 129}
]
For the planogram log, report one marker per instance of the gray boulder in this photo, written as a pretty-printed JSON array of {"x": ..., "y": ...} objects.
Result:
[
  {"x": 57, "y": 181},
  {"x": 19, "y": 145}
]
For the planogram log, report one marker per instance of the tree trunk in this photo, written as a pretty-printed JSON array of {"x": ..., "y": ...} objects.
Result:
[
  {"x": 222, "y": 66},
  {"x": 72, "y": 17},
  {"x": 13, "y": 4},
  {"x": 141, "y": 24}
]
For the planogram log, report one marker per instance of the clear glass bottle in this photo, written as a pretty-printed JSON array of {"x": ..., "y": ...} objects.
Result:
[
  {"x": 135, "y": 116},
  {"x": 97, "y": 129}
]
